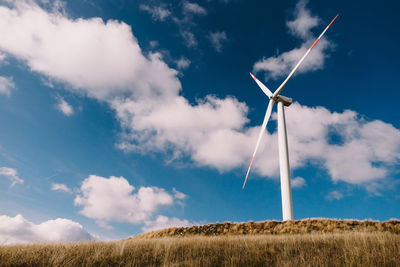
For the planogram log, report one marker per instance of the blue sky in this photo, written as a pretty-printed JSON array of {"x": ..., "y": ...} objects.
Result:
[{"x": 120, "y": 117}]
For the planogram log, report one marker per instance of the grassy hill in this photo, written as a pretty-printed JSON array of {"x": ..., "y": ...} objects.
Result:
[
  {"x": 296, "y": 243},
  {"x": 276, "y": 227}
]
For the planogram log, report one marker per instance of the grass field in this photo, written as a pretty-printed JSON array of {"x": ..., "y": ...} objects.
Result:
[
  {"x": 350, "y": 249},
  {"x": 270, "y": 243},
  {"x": 307, "y": 226}
]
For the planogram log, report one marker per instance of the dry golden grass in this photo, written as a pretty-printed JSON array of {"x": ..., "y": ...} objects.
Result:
[
  {"x": 276, "y": 227},
  {"x": 315, "y": 242},
  {"x": 340, "y": 249}
]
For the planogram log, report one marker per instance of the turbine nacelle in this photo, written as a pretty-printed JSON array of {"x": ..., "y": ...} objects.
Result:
[{"x": 286, "y": 101}]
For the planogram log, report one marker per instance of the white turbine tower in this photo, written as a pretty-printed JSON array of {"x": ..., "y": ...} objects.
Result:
[{"x": 286, "y": 189}]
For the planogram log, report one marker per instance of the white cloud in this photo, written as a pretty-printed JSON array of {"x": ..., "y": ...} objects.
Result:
[
  {"x": 153, "y": 44},
  {"x": 189, "y": 38},
  {"x": 303, "y": 21},
  {"x": 61, "y": 188},
  {"x": 213, "y": 133},
  {"x": 367, "y": 149},
  {"x": 12, "y": 175},
  {"x": 64, "y": 107},
  {"x": 115, "y": 200},
  {"x": 280, "y": 65},
  {"x": 6, "y": 85},
  {"x": 178, "y": 195},
  {"x": 334, "y": 195},
  {"x": 182, "y": 63},
  {"x": 96, "y": 58},
  {"x": 298, "y": 182},
  {"x": 162, "y": 222},
  {"x": 207, "y": 131},
  {"x": 157, "y": 12},
  {"x": 217, "y": 39},
  {"x": 194, "y": 8},
  {"x": 2, "y": 57},
  {"x": 17, "y": 230}
]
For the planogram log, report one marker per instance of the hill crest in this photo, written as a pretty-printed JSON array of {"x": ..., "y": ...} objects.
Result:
[{"x": 305, "y": 226}]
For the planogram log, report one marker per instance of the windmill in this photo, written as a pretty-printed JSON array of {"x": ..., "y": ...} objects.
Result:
[{"x": 281, "y": 101}]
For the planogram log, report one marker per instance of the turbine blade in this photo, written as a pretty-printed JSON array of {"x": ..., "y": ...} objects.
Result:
[
  {"x": 262, "y": 130},
  {"x": 277, "y": 92},
  {"x": 262, "y": 86}
]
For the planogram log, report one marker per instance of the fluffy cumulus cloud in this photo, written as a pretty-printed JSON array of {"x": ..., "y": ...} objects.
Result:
[
  {"x": 208, "y": 131},
  {"x": 17, "y": 230},
  {"x": 12, "y": 175},
  {"x": 64, "y": 107},
  {"x": 6, "y": 84},
  {"x": 115, "y": 200},
  {"x": 279, "y": 66},
  {"x": 303, "y": 21},
  {"x": 214, "y": 134},
  {"x": 364, "y": 150},
  {"x": 104, "y": 61},
  {"x": 96, "y": 58}
]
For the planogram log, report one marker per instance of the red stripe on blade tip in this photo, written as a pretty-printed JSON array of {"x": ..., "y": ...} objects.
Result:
[
  {"x": 333, "y": 20},
  {"x": 316, "y": 41}
]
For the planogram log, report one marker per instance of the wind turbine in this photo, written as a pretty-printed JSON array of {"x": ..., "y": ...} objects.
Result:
[{"x": 281, "y": 101}]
